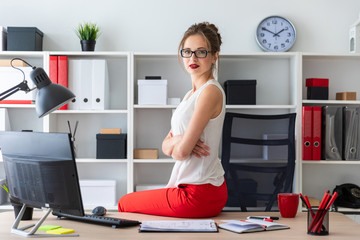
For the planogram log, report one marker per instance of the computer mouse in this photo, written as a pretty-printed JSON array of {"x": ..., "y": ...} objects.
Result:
[{"x": 99, "y": 211}]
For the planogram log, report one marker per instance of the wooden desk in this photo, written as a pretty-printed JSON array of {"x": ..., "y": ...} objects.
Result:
[{"x": 341, "y": 227}]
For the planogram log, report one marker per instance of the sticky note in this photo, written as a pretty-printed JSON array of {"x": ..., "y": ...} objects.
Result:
[
  {"x": 48, "y": 227},
  {"x": 61, "y": 231}
]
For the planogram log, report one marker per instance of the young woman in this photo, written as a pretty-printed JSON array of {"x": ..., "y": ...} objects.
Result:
[{"x": 196, "y": 187}]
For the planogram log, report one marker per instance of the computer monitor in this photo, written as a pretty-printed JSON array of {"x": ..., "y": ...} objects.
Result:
[{"x": 41, "y": 171}]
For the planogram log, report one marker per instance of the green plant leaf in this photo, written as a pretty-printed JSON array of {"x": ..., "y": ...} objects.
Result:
[{"x": 88, "y": 31}]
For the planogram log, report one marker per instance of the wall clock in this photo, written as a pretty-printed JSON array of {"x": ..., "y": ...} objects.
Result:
[{"x": 275, "y": 34}]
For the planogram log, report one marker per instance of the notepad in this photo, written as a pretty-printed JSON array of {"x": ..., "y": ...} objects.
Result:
[
  {"x": 251, "y": 225},
  {"x": 48, "y": 227},
  {"x": 60, "y": 231},
  {"x": 179, "y": 226}
]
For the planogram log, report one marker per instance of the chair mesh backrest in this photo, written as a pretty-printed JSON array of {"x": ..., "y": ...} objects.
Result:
[{"x": 258, "y": 156}]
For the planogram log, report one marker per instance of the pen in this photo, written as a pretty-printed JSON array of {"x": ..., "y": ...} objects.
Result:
[{"x": 263, "y": 217}]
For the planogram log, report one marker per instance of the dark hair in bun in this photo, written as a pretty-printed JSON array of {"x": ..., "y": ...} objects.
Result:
[{"x": 210, "y": 33}]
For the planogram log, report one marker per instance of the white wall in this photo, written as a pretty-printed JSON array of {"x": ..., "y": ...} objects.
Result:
[{"x": 157, "y": 25}]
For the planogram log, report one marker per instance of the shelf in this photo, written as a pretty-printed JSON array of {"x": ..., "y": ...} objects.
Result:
[
  {"x": 164, "y": 160},
  {"x": 91, "y": 111},
  {"x": 260, "y": 106},
  {"x": 155, "y": 106},
  {"x": 330, "y": 162},
  {"x": 94, "y": 160},
  {"x": 331, "y": 102},
  {"x": 17, "y": 106}
]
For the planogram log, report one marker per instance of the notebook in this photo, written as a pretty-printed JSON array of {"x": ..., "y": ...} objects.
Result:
[
  {"x": 179, "y": 226},
  {"x": 250, "y": 225}
]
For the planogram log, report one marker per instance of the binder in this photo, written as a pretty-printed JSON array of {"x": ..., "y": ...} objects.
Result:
[
  {"x": 86, "y": 84},
  {"x": 316, "y": 133},
  {"x": 307, "y": 132},
  {"x": 351, "y": 133},
  {"x": 74, "y": 83},
  {"x": 63, "y": 74},
  {"x": 332, "y": 133},
  {"x": 100, "y": 85},
  {"x": 53, "y": 69}
]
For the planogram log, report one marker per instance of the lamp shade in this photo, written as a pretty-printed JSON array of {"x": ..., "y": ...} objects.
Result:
[{"x": 50, "y": 96}]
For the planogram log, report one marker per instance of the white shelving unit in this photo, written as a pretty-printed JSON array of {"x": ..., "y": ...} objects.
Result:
[
  {"x": 280, "y": 89},
  {"x": 343, "y": 73}
]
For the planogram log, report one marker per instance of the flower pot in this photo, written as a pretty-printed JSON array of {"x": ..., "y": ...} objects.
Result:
[
  {"x": 27, "y": 214},
  {"x": 88, "y": 45}
]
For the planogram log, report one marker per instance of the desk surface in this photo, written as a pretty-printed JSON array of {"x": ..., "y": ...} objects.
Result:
[{"x": 341, "y": 227}]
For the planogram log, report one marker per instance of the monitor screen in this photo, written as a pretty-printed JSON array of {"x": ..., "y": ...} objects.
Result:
[{"x": 41, "y": 171}]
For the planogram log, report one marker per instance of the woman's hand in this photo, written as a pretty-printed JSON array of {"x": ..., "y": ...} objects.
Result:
[{"x": 201, "y": 150}]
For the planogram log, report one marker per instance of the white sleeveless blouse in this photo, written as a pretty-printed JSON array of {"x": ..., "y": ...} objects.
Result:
[{"x": 195, "y": 170}]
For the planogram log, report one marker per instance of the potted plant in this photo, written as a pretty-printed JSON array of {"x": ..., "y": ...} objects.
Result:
[
  {"x": 17, "y": 206},
  {"x": 88, "y": 33}
]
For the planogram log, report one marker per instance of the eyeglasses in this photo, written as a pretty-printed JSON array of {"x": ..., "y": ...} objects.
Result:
[{"x": 186, "y": 53}]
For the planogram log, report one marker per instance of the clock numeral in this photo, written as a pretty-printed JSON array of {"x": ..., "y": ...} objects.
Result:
[
  {"x": 276, "y": 47},
  {"x": 289, "y": 34},
  {"x": 286, "y": 28},
  {"x": 264, "y": 41},
  {"x": 269, "y": 45},
  {"x": 287, "y": 41},
  {"x": 274, "y": 22},
  {"x": 262, "y": 34},
  {"x": 283, "y": 45}
]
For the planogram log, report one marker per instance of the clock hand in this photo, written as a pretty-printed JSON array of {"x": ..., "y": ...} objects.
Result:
[
  {"x": 265, "y": 29},
  {"x": 277, "y": 34}
]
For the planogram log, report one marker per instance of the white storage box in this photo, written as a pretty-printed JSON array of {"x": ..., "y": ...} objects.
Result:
[
  {"x": 98, "y": 192},
  {"x": 3, "y": 38},
  {"x": 152, "y": 92}
]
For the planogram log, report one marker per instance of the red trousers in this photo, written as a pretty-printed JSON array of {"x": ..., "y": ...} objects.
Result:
[{"x": 188, "y": 201}]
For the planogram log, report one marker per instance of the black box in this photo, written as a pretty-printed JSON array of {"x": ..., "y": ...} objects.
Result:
[
  {"x": 111, "y": 146},
  {"x": 318, "y": 93},
  {"x": 240, "y": 92},
  {"x": 24, "y": 39}
]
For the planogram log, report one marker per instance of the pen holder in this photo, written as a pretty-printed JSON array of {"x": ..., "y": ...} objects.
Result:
[{"x": 318, "y": 222}]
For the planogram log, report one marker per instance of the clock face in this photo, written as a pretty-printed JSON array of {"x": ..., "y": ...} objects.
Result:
[{"x": 275, "y": 34}]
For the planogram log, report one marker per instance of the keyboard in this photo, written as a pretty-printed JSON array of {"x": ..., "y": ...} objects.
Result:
[{"x": 102, "y": 220}]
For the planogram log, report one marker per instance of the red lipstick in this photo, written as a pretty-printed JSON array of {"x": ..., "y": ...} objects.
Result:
[{"x": 193, "y": 66}]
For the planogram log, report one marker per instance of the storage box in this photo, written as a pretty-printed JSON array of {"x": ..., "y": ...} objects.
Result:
[
  {"x": 3, "y": 38},
  {"x": 111, "y": 146},
  {"x": 110, "y": 131},
  {"x": 24, "y": 39},
  {"x": 240, "y": 92},
  {"x": 317, "y": 88},
  {"x": 152, "y": 92},
  {"x": 346, "y": 96},
  {"x": 146, "y": 153},
  {"x": 98, "y": 192}
]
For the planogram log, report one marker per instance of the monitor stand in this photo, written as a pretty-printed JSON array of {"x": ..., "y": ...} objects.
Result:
[{"x": 32, "y": 233}]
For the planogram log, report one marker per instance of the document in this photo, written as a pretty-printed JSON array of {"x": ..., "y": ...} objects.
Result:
[
  {"x": 251, "y": 225},
  {"x": 179, "y": 226}
]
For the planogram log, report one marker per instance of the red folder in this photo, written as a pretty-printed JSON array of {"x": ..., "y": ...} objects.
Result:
[
  {"x": 316, "y": 133},
  {"x": 63, "y": 74},
  {"x": 307, "y": 132},
  {"x": 16, "y": 101},
  {"x": 53, "y": 69}
]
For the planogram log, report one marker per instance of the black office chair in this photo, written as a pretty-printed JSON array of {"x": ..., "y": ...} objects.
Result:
[{"x": 258, "y": 156}]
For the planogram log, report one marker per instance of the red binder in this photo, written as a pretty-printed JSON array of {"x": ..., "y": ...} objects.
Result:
[
  {"x": 316, "y": 133},
  {"x": 53, "y": 69},
  {"x": 63, "y": 74},
  {"x": 307, "y": 132}
]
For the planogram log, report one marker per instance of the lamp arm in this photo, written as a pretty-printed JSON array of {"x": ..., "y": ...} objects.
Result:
[{"x": 23, "y": 86}]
